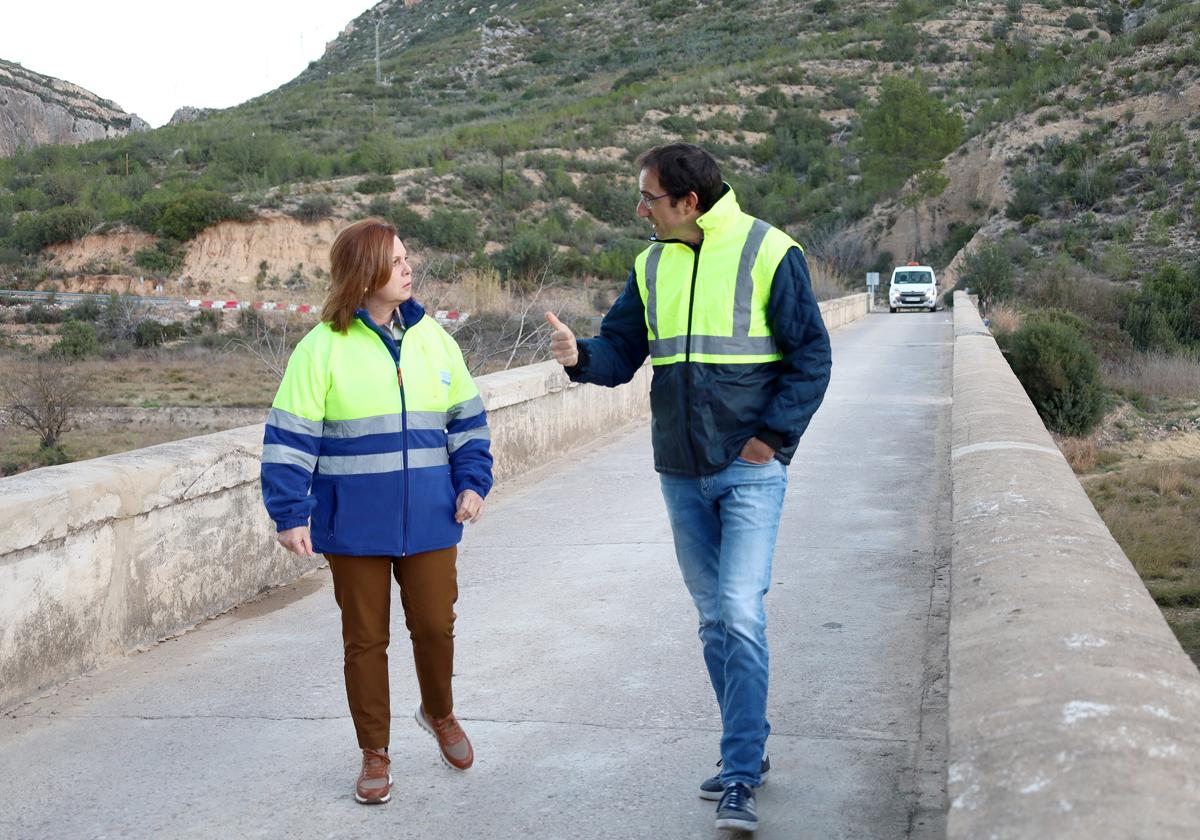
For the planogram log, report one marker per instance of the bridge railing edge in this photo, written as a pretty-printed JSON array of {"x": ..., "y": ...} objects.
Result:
[{"x": 1073, "y": 711}]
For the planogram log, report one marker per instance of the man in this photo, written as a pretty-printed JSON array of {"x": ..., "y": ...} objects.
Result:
[{"x": 722, "y": 304}]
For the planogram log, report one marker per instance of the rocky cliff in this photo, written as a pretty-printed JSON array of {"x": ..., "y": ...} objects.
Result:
[{"x": 36, "y": 110}]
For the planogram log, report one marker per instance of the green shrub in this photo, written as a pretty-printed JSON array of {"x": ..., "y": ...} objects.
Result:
[
  {"x": 86, "y": 310},
  {"x": 182, "y": 216},
  {"x": 1077, "y": 21},
  {"x": 1059, "y": 372},
  {"x": 451, "y": 230},
  {"x": 616, "y": 258},
  {"x": 1113, "y": 19},
  {"x": 77, "y": 340},
  {"x": 481, "y": 179},
  {"x": 34, "y": 231},
  {"x": 527, "y": 255},
  {"x": 987, "y": 271},
  {"x": 375, "y": 184},
  {"x": 380, "y": 153},
  {"x": 51, "y": 456},
  {"x": 1147, "y": 325},
  {"x": 151, "y": 333},
  {"x": 313, "y": 208},
  {"x": 608, "y": 201},
  {"x": 1166, "y": 311},
  {"x": 756, "y": 119},
  {"x": 899, "y": 44},
  {"x": 205, "y": 321},
  {"x": 39, "y": 313},
  {"x": 165, "y": 258},
  {"x": 558, "y": 184},
  {"x": 679, "y": 124},
  {"x": 379, "y": 206},
  {"x": 407, "y": 222}
]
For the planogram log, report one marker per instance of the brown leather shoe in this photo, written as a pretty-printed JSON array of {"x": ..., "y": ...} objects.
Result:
[
  {"x": 375, "y": 781},
  {"x": 452, "y": 741}
]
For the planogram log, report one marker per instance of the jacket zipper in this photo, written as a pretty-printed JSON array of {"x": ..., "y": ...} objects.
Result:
[
  {"x": 403, "y": 433},
  {"x": 687, "y": 358},
  {"x": 404, "y": 444}
]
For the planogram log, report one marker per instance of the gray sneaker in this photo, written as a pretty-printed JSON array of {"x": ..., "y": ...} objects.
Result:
[
  {"x": 737, "y": 811},
  {"x": 711, "y": 788}
]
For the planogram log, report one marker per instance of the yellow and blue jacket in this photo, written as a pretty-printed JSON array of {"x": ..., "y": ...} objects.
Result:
[
  {"x": 735, "y": 336},
  {"x": 370, "y": 440}
]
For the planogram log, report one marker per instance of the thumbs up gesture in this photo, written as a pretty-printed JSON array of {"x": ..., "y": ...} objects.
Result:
[{"x": 562, "y": 342}]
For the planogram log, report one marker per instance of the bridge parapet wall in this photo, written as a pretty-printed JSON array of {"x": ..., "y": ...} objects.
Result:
[
  {"x": 106, "y": 556},
  {"x": 1073, "y": 711}
]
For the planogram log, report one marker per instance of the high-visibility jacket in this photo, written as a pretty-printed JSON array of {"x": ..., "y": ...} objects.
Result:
[
  {"x": 735, "y": 336},
  {"x": 370, "y": 440}
]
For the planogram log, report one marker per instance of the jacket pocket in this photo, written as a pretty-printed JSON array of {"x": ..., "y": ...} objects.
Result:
[{"x": 333, "y": 506}]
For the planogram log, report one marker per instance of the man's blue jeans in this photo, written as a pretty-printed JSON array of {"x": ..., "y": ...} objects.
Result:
[{"x": 725, "y": 526}]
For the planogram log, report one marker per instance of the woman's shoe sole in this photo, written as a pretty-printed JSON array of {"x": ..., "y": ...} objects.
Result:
[{"x": 420, "y": 719}]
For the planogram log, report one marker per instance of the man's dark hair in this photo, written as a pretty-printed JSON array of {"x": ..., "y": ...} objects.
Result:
[{"x": 683, "y": 168}]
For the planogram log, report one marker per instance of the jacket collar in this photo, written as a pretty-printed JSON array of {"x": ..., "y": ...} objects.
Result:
[
  {"x": 410, "y": 313},
  {"x": 715, "y": 219},
  {"x": 722, "y": 214}
]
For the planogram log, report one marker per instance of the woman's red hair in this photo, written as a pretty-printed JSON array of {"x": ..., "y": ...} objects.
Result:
[{"x": 360, "y": 261}]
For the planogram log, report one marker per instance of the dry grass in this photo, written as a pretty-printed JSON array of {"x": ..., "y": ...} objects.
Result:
[
  {"x": 827, "y": 284},
  {"x": 1182, "y": 447},
  {"x": 1081, "y": 453},
  {"x": 1153, "y": 511},
  {"x": 95, "y": 437},
  {"x": 1003, "y": 319},
  {"x": 1167, "y": 375},
  {"x": 201, "y": 378}
]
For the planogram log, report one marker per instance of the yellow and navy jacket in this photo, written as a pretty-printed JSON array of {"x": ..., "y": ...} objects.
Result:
[
  {"x": 735, "y": 336},
  {"x": 370, "y": 440}
]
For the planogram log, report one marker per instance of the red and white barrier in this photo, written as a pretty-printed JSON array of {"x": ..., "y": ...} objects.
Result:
[
  {"x": 248, "y": 304},
  {"x": 443, "y": 316}
]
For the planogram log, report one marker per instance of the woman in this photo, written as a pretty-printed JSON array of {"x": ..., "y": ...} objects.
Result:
[{"x": 378, "y": 438}]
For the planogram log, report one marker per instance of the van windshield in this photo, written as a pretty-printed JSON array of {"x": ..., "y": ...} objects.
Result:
[{"x": 913, "y": 277}]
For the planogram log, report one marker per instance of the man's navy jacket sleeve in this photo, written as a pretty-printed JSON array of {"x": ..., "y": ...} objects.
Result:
[
  {"x": 614, "y": 356},
  {"x": 800, "y": 334}
]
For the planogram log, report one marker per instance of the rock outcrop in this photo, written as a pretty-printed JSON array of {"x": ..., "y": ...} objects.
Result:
[
  {"x": 37, "y": 110},
  {"x": 189, "y": 114}
]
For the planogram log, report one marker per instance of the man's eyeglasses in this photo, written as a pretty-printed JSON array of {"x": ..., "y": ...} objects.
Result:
[{"x": 647, "y": 198}]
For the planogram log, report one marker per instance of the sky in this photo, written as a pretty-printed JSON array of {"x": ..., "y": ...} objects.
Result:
[{"x": 151, "y": 57}]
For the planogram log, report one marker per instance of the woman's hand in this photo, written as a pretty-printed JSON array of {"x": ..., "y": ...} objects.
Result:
[
  {"x": 296, "y": 540},
  {"x": 470, "y": 507}
]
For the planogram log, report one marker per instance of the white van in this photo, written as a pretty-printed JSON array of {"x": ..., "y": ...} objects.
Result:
[{"x": 913, "y": 287}]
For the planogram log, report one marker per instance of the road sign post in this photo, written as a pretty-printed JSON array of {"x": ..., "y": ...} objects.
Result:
[{"x": 872, "y": 285}]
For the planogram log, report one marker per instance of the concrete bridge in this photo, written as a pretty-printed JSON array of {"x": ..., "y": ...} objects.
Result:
[{"x": 958, "y": 646}]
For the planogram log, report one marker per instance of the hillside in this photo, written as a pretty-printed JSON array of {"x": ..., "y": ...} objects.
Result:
[
  {"x": 503, "y": 136},
  {"x": 37, "y": 110}
]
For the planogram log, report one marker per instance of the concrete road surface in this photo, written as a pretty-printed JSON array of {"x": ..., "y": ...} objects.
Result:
[{"x": 579, "y": 678}]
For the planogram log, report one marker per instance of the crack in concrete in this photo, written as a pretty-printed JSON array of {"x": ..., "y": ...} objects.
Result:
[{"x": 809, "y": 736}]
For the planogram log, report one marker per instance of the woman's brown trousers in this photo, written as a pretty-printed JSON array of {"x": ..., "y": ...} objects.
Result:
[{"x": 428, "y": 590}]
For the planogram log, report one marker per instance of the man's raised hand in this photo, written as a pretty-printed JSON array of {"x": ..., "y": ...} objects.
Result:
[{"x": 562, "y": 342}]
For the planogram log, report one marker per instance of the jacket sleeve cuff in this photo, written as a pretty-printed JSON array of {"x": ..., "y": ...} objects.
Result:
[
  {"x": 287, "y": 524},
  {"x": 771, "y": 438},
  {"x": 479, "y": 487},
  {"x": 580, "y": 367}
]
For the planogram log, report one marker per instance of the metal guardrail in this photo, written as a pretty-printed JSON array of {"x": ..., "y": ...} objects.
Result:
[
  {"x": 80, "y": 297},
  {"x": 443, "y": 317}
]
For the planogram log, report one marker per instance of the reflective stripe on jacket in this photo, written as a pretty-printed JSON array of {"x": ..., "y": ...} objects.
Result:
[
  {"x": 370, "y": 441},
  {"x": 735, "y": 336}
]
